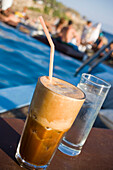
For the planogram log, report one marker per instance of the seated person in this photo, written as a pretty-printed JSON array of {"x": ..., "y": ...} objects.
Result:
[
  {"x": 111, "y": 56},
  {"x": 102, "y": 40},
  {"x": 108, "y": 53},
  {"x": 60, "y": 25},
  {"x": 90, "y": 33},
  {"x": 87, "y": 28},
  {"x": 55, "y": 29},
  {"x": 6, "y": 15},
  {"x": 109, "y": 49},
  {"x": 10, "y": 19},
  {"x": 68, "y": 33},
  {"x": 22, "y": 15},
  {"x": 5, "y": 6}
]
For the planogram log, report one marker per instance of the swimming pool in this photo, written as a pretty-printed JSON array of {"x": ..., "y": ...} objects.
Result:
[{"x": 23, "y": 59}]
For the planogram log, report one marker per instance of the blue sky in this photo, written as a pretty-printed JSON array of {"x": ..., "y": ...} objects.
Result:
[{"x": 96, "y": 10}]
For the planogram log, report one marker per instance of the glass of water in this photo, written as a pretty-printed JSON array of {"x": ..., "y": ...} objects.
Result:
[{"x": 96, "y": 91}]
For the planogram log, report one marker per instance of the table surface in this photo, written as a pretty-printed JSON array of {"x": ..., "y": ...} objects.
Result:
[{"x": 97, "y": 153}]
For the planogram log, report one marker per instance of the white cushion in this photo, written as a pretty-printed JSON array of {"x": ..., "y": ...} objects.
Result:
[{"x": 106, "y": 116}]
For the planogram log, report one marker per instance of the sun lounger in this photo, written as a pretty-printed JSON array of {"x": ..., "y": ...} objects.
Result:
[
  {"x": 106, "y": 116},
  {"x": 62, "y": 47},
  {"x": 15, "y": 97}
]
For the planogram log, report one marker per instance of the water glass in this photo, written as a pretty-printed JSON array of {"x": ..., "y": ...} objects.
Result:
[{"x": 96, "y": 91}]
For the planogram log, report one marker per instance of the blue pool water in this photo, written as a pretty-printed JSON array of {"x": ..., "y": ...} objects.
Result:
[{"x": 23, "y": 59}]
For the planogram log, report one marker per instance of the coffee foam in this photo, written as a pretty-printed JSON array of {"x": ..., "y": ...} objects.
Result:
[
  {"x": 60, "y": 125},
  {"x": 56, "y": 105},
  {"x": 62, "y": 87}
]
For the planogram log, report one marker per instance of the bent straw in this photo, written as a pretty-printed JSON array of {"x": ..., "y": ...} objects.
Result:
[{"x": 52, "y": 47}]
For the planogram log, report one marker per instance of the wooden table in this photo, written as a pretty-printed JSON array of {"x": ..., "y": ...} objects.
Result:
[{"x": 97, "y": 153}]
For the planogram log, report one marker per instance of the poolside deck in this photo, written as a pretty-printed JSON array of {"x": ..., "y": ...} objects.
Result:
[
  {"x": 96, "y": 153},
  {"x": 20, "y": 113}
]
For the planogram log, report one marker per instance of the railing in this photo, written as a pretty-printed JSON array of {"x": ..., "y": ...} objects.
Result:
[
  {"x": 99, "y": 61},
  {"x": 95, "y": 56}
]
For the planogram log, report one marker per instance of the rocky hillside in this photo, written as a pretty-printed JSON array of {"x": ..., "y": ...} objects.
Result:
[{"x": 49, "y": 9}]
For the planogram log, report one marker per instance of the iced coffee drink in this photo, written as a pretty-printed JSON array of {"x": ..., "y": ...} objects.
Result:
[{"x": 53, "y": 110}]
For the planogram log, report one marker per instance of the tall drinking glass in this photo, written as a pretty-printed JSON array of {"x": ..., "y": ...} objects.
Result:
[
  {"x": 52, "y": 112},
  {"x": 96, "y": 90}
]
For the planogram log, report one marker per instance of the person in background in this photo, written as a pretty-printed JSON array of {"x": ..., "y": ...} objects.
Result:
[
  {"x": 111, "y": 56},
  {"x": 22, "y": 15},
  {"x": 68, "y": 33},
  {"x": 60, "y": 25},
  {"x": 6, "y": 15},
  {"x": 5, "y": 6},
  {"x": 87, "y": 29},
  {"x": 55, "y": 29},
  {"x": 102, "y": 40},
  {"x": 106, "y": 51}
]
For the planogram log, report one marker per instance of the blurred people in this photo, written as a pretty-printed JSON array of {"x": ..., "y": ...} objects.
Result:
[
  {"x": 102, "y": 40},
  {"x": 94, "y": 33},
  {"x": 108, "y": 50},
  {"x": 90, "y": 33},
  {"x": 60, "y": 25},
  {"x": 68, "y": 33},
  {"x": 55, "y": 29},
  {"x": 111, "y": 56},
  {"x": 5, "y": 14},
  {"x": 10, "y": 19},
  {"x": 5, "y": 6},
  {"x": 86, "y": 30},
  {"x": 22, "y": 15}
]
